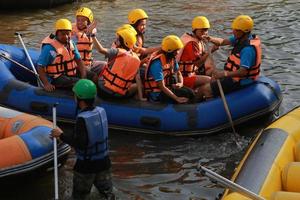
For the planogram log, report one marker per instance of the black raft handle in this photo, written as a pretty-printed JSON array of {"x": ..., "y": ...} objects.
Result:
[{"x": 150, "y": 121}]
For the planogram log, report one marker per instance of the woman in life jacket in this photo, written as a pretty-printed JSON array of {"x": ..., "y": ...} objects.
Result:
[
  {"x": 116, "y": 42},
  {"x": 163, "y": 80},
  {"x": 83, "y": 41},
  {"x": 120, "y": 77},
  {"x": 137, "y": 18},
  {"x": 243, "y": 64},
  {"x": 194, "y": 59}
]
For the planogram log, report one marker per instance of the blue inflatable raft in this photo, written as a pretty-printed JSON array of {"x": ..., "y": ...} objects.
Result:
[{"x": 18, "y": 89}]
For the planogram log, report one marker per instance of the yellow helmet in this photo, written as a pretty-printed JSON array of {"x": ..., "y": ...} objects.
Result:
[
  {"x": 200, "y": 22},
  {"x": 171, "y": 43},
  {"x": 136, "y": 14},
  {"x": 85, "y": 12},
  {"x": 63, "y": 24},
  {"x": 243, "y": 23},
  {"x": 128, "y": 37},
  {"x": 126, "y": 26}
]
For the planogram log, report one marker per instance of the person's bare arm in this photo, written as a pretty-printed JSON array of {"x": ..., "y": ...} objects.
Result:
[
  {"x": 217, "y": 41},
  {"x": 167, "y": 91},
  {"x": 47, "y": 86},
  {"x": 99, "y": 46},
  {"x": 239, "y": 73},
  {"x": 81, "y": 68},
  {"x": 139, "y": 87}
]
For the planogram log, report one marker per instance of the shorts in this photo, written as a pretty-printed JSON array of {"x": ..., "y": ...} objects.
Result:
[
  {"x": 228, "y": 85},
  {"x": 67, "y": 82},
  {"x": 189, "y": 81}
]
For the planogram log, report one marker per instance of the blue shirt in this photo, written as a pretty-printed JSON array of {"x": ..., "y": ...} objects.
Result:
[
  {"x": 248, "y": 54},
  {"x": 248, "y": 57},
  {"x": 156, "y": 71}
]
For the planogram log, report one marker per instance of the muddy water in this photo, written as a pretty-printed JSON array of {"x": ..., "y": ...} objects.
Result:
[{"x": 159, "y": 167}]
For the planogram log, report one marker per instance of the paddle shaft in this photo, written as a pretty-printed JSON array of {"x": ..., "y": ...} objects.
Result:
[
  {"x": 40, "y": 83},
  {"x": 228, "y": 112},
  {"x": 55, "y": 155},
  {"x": 229, "y": 184},
  {"x": 17, "y": 63}
]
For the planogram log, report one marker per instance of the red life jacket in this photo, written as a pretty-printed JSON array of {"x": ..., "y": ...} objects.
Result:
[
  {"x": 120, "y": 73},
  {"x": 234, "y": 60},
  {"x": 84, "y": 45},
  {"x": 150, "y": 85},
  {"x": 187, "y": 56},
  {"x": 64, "y": 62}
]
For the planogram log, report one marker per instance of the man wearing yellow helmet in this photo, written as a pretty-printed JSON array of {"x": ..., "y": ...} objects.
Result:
[
  {"x": 137, "y": 18},
  {"x": 163, "y": 80},
  {"x": 121, "y": 70},
  {"x": 60, "y": 64},
  {"x": 243, "y": 64},
  {"x": 194, "y": 60}
]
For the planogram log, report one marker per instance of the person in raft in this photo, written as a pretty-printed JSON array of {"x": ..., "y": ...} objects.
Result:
[
  {"x": 120, "y": 77},
  {"x": 243, "y": 64},
  {"x": 138, "y": 18},
  {"x": 194, "y": 61},
  {"x": 83, "y": 41},
  {"x": 90, "y": 141},
  {"x": 163, "y": 80},
  {"x": 59, "y": 64}
]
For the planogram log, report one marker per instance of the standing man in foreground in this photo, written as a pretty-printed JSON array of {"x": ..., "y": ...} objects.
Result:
[
  {"x": 90, "y": 140},
  {"x": 243, "y": 64}
]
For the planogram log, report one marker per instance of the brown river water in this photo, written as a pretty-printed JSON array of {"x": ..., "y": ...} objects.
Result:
[{"x": 160, "y": 167}]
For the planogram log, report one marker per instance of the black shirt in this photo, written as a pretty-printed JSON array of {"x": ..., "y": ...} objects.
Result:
[{"x": 78, "y": 139}]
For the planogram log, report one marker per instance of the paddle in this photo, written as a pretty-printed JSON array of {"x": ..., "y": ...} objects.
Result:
[
  {"x": 235, "y": 135},
  {"x": 228, "y": 183},
  {"x": 55, "y": 154},
  {"x": 17, "y": 63},
  {"x": 40, "y": 83}
]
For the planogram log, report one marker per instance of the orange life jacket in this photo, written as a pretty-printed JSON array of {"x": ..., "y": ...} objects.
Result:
[
  {"x": 64, "y": 62},
  {"x": 120, "y": 72},
  {"x": 234, "y": 60},
  {"x": 150, "y": 85},
  {"x": 84, "y": 45},
  {"x": 186, "y": 57}
]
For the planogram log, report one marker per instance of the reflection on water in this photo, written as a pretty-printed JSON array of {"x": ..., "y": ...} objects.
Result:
[{"x": 154, "y": 167}]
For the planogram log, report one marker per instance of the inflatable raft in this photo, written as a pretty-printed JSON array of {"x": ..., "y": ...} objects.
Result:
[
  {"x": 25, "y": 144},
  {"x": 18, "y": 90},
  {"x": 271, "y": 165}
]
